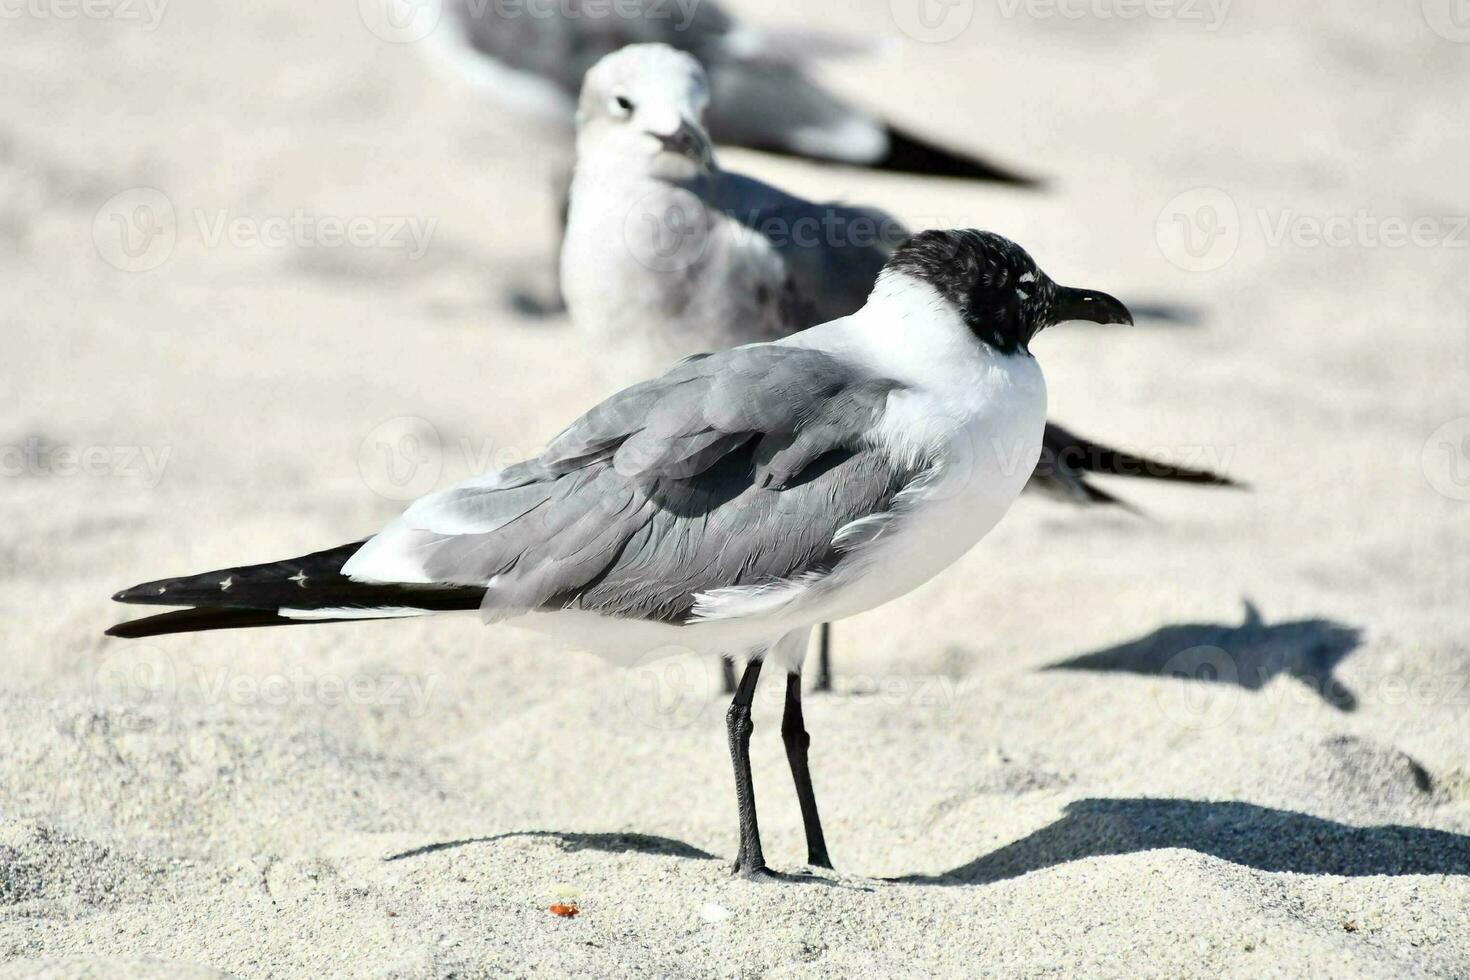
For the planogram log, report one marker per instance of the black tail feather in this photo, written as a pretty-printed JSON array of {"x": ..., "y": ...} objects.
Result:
[
  {"x": 254, "y": 595},
  {"x": 314, "y": 578},
  {"x": 1066, "y": 452},
  {"x": 908, "y": 154},
  {"x": 199, "y": 621}
]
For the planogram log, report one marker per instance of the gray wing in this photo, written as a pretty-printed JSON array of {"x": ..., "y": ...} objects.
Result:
[
  {"x": 734, "y": 470},
  {"x": 560, "y": 42},
  {"x": 768, "y": 104},
  {"x": 831, "y": 254}
]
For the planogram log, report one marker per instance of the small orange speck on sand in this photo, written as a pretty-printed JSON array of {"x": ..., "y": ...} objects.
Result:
[{"x": 564, "y": 910}]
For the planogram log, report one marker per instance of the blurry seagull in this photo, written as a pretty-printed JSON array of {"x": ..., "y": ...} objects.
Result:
[
  {"x": 728, "y": 505},
  {"x": 667, "y": 255},
  {"x": 531, "y": 56}
]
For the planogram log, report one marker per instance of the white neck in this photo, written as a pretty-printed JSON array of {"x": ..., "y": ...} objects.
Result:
[{"x": 909, "y": 332}]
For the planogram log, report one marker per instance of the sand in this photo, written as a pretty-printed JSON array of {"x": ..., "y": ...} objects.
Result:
[{"x": 1224, "y": 738}]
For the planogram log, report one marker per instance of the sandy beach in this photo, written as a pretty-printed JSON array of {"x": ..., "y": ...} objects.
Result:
[{"x": 1227, "y": 735}]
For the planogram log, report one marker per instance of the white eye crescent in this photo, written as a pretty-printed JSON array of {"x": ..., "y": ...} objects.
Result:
[{"x": 620, "y": 106}]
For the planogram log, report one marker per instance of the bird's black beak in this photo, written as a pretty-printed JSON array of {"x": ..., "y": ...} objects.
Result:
[
  {"x": 688, "y": 141},
  {"x": 1089, "y": 305}
]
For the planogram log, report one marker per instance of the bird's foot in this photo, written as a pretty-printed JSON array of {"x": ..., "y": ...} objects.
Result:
[{"x": 745, "y": 868}]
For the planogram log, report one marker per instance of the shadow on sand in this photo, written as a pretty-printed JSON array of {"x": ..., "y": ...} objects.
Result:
[
  {"x": 1241, "y": 833},
  {"x": 610, "y": 843},
  {"x": 1250, "y": 655}
]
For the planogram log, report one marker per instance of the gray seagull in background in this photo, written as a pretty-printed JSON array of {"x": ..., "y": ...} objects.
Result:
[
  {"x": 531, "y": 55},
  {"x": 729, "y": 505},
  {"x": 667, "y": 255}
]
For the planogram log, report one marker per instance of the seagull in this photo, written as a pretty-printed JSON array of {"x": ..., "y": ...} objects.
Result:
[
  {"x": 531, "y": 57},
  {"x": 730, "y": 504},
  {"x": 667, "y": 255}
]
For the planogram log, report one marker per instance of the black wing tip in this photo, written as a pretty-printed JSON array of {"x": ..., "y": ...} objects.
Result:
[
  {"x": 1201, "y": 478},
  {"x": 911, "y": 155},
  {"x": 154, "y": 593},
  {"x": 198, "y": 620}
]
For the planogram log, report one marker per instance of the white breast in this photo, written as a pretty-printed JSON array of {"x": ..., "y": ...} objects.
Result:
[
  {"x": 987, "y": 446},
  {"x": 651, "y": 275}
]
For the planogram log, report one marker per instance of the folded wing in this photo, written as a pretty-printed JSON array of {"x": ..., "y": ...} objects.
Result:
[{"x": 734, "y": 470}]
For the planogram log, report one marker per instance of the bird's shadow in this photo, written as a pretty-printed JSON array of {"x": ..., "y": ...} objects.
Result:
[
  {"x": 626, "y": 843},
  {"x": 1249, "y": 655},
  {"x": 608, "y": 843},
  {"x": 1241, "y": 833},
  {"x": 1167, "y": 313}
]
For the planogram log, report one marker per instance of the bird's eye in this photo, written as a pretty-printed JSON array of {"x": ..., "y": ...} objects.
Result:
[{"x": 622, "y": 106}]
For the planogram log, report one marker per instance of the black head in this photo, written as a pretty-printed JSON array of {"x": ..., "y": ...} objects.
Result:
[{"x": 1001, "y": 294}]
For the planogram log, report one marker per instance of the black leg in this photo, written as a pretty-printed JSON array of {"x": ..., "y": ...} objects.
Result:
[
  {"x": 793, "y": 733},
  {"x": 738, "y": 724},
  {"x": 728, "y": 663},
  {"x": 824, "y": 659},
  {"x": 528, "y": 299}
]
